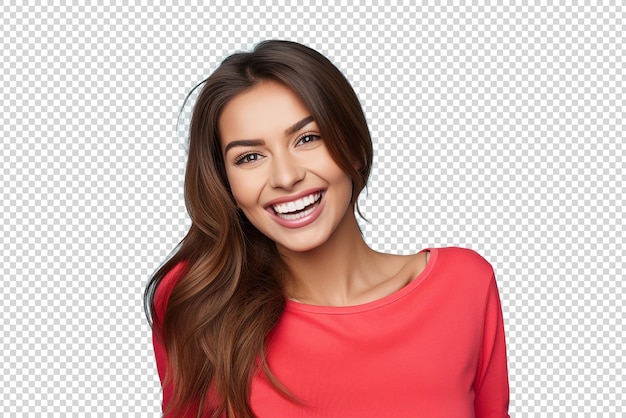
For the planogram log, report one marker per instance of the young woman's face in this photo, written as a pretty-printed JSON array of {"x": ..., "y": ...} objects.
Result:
[{"x": 279, "y": 170}]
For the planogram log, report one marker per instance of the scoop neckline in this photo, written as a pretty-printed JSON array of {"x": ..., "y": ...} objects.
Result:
[{"x": 292, "y": 305}]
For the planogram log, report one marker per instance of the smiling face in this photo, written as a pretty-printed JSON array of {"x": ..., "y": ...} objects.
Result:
[{"x": 279, "y": 170}]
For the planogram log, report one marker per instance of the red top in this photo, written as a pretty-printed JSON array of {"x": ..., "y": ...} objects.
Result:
[{"x": 434, "y": 348}]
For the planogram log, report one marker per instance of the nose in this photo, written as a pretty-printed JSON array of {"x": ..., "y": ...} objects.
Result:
[{"x": 286, "y": 172}]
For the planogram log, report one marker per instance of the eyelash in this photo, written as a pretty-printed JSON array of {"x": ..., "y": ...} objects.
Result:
[
  {"x": 241, "y": 159},
  {"x": 308, "y": 135}
]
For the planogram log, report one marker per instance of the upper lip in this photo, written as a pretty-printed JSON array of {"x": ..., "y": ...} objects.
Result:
[{"x": 291, "y": 198}]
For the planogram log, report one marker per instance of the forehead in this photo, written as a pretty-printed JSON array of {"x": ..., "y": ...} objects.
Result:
[{"x": 266, "y": 109}]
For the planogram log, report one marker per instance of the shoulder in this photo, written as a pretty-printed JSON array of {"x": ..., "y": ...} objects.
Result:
[
  {"x": 465, "y": 267},
  {"x": 463, "y": 258},
  {"x": 165, "y": 287},
  {"x": 466, "y": 278}
]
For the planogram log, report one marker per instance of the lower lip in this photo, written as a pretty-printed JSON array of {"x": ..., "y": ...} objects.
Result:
[{"x": 299, "y": 223}]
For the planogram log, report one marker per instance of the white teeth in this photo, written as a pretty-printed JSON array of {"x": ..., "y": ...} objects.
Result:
[
  {"x": 294, "y": 216},
  {"x": 299, "y": 204}
]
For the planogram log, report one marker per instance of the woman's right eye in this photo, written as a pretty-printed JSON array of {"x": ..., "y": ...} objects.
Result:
[{"x": 247, "y": 158}]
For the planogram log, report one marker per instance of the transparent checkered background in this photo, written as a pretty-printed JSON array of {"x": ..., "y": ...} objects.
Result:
[{"x": 499, "y": 128}]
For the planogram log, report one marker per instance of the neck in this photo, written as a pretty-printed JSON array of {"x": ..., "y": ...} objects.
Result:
[{"x": 334, "y": 272}]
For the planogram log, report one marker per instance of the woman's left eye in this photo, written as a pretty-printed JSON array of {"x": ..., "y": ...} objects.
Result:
[{"x": 308, "y": 138}]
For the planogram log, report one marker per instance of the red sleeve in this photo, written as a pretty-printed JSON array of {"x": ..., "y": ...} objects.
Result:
[
  {"x": 492, "y": 383},
  {"x": 161, "y": 297}
]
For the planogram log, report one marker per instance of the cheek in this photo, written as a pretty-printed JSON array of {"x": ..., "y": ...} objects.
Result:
[
  {"x": 337, "y": 175},
  {"x": 245, "y": 189}
]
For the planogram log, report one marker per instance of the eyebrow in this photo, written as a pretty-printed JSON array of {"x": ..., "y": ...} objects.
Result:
[
  {"x": 255, "y": 142},
  {"x": 299, "y": 125},
  {"x": 244, "y": 143}
]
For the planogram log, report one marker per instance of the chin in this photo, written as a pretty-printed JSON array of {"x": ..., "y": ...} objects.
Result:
[{"x": 298, "y": 245}]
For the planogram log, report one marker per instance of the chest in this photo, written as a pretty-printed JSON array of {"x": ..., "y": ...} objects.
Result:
[{"x": 412, "y": 360}]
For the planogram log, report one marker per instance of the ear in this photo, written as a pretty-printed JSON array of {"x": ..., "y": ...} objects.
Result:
[{"x": 361, "y": 162}]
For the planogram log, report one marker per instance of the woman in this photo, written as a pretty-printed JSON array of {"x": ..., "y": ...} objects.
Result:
[{"x": 273, "y": 305}]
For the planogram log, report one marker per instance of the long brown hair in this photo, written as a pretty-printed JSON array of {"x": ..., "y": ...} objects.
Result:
[{"x": 230, "y": 295}]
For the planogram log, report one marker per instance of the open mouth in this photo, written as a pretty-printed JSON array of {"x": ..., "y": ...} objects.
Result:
[{"x": 299, "y": 208}]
